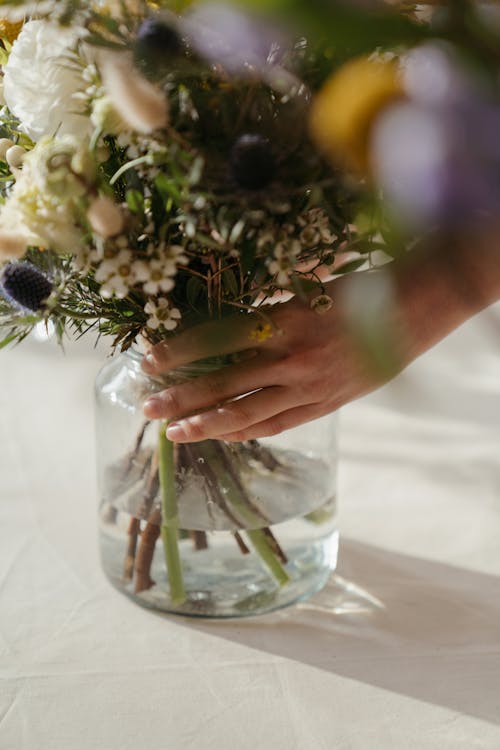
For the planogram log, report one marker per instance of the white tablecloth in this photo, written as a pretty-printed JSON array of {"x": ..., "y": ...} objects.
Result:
[{"x": 401, "y": 651}]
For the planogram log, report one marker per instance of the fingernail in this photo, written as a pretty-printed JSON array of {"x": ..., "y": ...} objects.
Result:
[
  {"x": 175, "y": 432},
  {"x": 152, "y": 407}
]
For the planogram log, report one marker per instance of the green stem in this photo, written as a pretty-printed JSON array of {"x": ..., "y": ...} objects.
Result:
[
  {"x": 169, "y": 517},
  {"x": 74, "y": 314},
  {"x": 129, "y": 165},
  {"x": 263, "y": 549},
  {"x": 236, "y": 498},
  {"x": 231, "y": 492}
]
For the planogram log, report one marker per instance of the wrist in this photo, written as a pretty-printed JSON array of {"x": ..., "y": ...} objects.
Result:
[{"x": 441, "y": 286}]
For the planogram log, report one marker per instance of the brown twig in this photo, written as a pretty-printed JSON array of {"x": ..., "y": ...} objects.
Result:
[
  {"x": 225, "y": 456},
  {"x": 151, "y": 490},
  {"x": 134, "y": 530},
  {"x": 145, "y": 553},
  {"x": 200, "y": 540},
  {"x": 262, "y": 454},
  {"x": 193, "y": 453},
  {"x": 241, "y": 543}
]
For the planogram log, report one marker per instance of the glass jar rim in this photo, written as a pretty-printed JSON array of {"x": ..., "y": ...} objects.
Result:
[{"x": 199, "y": 367}]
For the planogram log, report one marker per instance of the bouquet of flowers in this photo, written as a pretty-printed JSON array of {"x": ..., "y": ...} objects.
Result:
[
  {"x": 166, "y": 163},
  {"x": 156, "y": 175}
]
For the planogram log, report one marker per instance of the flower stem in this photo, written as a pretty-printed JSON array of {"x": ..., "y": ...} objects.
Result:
[
  {"x": 237, "y": 498},
  {"x": 267, "y": 555},
  {"x": 169, "y": 517}
]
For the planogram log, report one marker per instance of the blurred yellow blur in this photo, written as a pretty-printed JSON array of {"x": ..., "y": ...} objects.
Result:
[{"x": 345, "y": 109}]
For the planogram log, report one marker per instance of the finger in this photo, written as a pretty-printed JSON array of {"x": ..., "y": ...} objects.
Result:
[
  {"x": 209, "y": 390},
  {"x": 276, "y": 424},
  {"x": 232, "y": 417},
  {"x": 206, "y": 340}
]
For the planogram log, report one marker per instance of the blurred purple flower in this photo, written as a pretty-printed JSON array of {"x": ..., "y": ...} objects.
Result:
[
  {"x": 437, "y": 156},
  {"x": 434, "y": 74},
  {"x": 242, "y": 44}
]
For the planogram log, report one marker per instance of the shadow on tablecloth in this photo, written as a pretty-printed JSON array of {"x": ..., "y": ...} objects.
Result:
[{"x": 414, "y": 627}]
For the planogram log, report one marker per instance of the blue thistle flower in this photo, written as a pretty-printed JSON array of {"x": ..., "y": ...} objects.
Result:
[
  {"x": 25, "y": 286},
  {"x": 252, "y": 162},
  {"x": 156, "y": 45}
]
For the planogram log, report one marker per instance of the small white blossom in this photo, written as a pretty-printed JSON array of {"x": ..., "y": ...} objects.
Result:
[
  {"x": 285, "y": 256},
  {"x": 265, "y": 238},
  {"x": 116, "y": 275},
  {"x": 157, "y": 274},
  {"x": 162, "y": 315},
  {"x": 315, "y": 228},
  {"x": 171, "y": 254}
]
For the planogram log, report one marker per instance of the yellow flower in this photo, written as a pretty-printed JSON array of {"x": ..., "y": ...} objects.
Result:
[
  {"x": 10, "y": 30},
  {"x": 261, "y": 332},
  {"x": 344, "y": 111}
]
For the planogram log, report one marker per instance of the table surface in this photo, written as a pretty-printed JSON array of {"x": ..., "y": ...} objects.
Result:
[{"x": 400, "y": 651}]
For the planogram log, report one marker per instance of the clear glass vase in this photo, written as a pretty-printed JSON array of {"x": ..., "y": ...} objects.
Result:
[{"x": 210, "y": 529}]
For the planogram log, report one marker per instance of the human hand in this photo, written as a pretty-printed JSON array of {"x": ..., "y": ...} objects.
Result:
[{"x": 308, "y": 367}]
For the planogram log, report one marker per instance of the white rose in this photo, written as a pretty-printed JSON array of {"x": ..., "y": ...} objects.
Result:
[
  {"x": 39, "y": 85},
  {"x": 19, "y": 11}
]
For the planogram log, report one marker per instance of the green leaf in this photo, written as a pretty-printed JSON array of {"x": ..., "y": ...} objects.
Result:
[
  {"x": 302, "y": 286},
  {"x": 350, "y": 267},
  {"x": 111, "y": 24},
  {"x": 8, "y": 340},
  {"x": 98, "y": 41},
  {"x": 135, "y": 201},
  {"x": 167, "y": 188},
  {"x": 350, "y": 29}
]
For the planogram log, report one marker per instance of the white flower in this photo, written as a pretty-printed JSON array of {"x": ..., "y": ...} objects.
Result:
[
  {"x": 116, "y": 275},
  {"x": 174, "y": 254},
  {"x": 154, "y": 276},
  {"x": 285, "y": 256},
  {"x": 162, "y": 315},
  {"x": 19, "y": 11},
  {"x": 105, "y": 117},
  {"x": 157, "y": 274},
  {"x": 45, "y": 202},
  {"x": 316, "y": 228},
  {"x": 46, "y": 199},
  {"x": 39, "y": 85}
]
